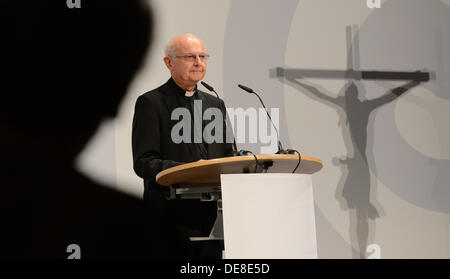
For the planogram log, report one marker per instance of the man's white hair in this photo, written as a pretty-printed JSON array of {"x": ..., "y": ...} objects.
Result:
[{"x": 171, "y": 46}]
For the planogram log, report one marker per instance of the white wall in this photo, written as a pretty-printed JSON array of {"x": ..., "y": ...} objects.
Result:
[{"x": 406, "y": 138}]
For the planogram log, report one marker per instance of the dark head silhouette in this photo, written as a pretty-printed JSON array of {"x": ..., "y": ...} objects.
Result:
[{"x": 67, "y": 70}]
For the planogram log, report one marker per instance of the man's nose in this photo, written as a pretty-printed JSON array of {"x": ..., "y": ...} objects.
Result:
[{"x": 197, "y": 60}]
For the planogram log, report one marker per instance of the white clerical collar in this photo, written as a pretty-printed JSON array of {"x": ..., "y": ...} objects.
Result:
[{"x": 189, "y": 93}]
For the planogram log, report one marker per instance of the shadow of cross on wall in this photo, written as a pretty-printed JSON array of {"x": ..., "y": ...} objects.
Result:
[{"x": 353, "y": 191}]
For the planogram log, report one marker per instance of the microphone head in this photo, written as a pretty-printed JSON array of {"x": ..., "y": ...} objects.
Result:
[
  {"x": 209, "y": 87},
  {"x": 245, "y": 88}
]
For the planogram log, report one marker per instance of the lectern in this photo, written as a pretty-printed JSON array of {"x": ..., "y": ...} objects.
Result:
[{"x": 264, "y": 209}]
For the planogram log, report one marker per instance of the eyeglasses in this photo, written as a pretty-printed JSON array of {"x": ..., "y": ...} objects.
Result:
[{"x": 192, "y": 57}]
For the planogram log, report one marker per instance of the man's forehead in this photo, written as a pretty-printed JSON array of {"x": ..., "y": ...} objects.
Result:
[{"x": 189, "y": 42}]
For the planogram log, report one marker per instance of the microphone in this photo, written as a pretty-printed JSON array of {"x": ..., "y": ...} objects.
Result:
[
  {"x": 249, "y": 90},
  {"x": 210, "y": 88}
]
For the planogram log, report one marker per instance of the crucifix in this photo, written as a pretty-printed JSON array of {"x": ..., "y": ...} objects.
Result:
[{"x": 353, "y": 191}]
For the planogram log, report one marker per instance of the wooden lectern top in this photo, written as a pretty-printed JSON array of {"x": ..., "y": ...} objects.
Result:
[{"x": 209, "y": 171}]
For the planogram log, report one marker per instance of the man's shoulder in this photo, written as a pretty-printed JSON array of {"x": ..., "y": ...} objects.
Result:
[{"x": 154, "y": 94}]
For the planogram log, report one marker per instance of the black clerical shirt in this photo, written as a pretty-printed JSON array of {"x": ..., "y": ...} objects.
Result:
[{"x": 192, "y": 104}]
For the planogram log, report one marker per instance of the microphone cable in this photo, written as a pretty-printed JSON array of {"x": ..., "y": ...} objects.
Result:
[
  {"x": 246, "y": 152},
  {"x": 293, "y": 151}
]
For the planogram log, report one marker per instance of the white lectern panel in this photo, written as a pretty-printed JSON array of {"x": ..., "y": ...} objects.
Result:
[{"x": 268, "y": 216}]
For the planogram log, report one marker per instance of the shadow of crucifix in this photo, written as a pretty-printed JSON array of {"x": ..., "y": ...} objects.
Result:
[{"x": 354, "y": 187}]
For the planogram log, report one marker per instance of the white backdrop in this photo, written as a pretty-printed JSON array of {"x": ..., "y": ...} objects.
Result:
[{"x": 406, "y": 138}]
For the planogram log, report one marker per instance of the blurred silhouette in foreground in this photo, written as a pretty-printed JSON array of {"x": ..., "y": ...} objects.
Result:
[{"x": 66, "y": 71}]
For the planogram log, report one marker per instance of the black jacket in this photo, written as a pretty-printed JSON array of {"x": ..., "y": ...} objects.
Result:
[{"x": 154, "y": 151}]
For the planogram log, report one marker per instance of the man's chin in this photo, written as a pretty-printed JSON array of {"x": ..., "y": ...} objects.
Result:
[{"x": 196, "y": 79}]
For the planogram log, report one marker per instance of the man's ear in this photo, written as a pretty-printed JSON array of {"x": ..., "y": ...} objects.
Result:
[{"x": 168, "y": 62}]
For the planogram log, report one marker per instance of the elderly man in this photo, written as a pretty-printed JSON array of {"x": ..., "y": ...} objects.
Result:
[{"x": 154, "y": 150}]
